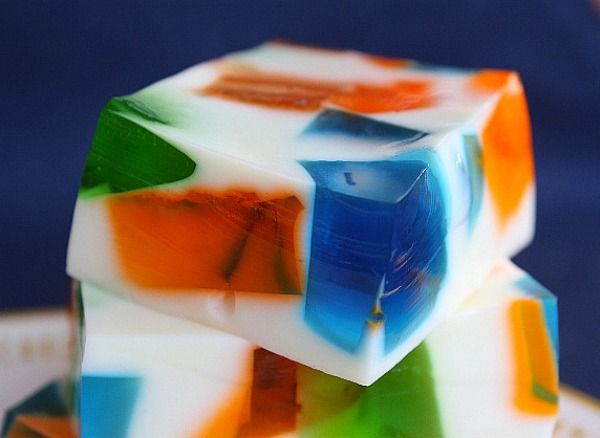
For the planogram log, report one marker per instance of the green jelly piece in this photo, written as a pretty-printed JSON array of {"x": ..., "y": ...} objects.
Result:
[
  {"x": 126, "y": 156},
  {"x": 402, "y": 403},
  {"x": 544, "y": 394},
  {"x": 131, "y": 105}
]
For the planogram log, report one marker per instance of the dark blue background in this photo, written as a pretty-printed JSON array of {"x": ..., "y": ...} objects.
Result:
[{"x": 61, "y": 61}]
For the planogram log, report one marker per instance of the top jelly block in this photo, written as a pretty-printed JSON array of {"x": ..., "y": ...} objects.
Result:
[{"x": 330, "y": 206}]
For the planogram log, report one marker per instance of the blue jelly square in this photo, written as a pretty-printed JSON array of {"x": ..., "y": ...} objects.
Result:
[
  {"x": 378, "y": 248},
  {"x": 342, "y": 123},
  {"x": 107, "y": 404}
]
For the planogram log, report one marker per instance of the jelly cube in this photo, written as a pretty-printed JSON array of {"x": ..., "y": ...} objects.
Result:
[
  {"x": 490, "y": 369},
  {"x": 345, "y": 203}
]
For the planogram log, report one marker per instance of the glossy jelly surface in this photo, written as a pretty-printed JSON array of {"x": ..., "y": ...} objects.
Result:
[
  {"x": 344, "y": 199},
  {"x": 490, "y": 369}
]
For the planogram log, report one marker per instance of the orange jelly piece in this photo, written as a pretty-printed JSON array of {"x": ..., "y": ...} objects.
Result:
[
  {"x": 294, "y": 93},
  {"x": 272, "y": 90},
  {"x": 387, "y": 62},
  {"x": 267, "y": 408},
  {"x": 534, "y": 362},
  {"x": 273, "y": 405},
  {"x": 399, "y": 96},
  {"x": 234, "y": 412},
  {"x": 43, "y": 426},
  {"x": 506, "y": 138},
  {"x": 199, "y": 240}
]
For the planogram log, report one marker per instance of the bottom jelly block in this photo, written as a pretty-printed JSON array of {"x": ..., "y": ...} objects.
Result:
[{"x": 489, "y": 370}]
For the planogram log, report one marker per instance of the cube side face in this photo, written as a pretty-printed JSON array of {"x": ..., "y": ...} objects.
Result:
[
  {"x": 187, "y": 236},
  {"x": 519, "y": 363},
  {"x": 362, "y": 199},
  {"x": 147, "y": 374},
  {"x": 467, "y": 378}
]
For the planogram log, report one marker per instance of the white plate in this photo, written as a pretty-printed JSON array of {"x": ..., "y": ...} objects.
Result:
[{"x": 34, "y": 350}]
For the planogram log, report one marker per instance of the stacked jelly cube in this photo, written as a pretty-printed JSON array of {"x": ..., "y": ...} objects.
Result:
[
  {"x": 291, "y": 241},
  {"x": 482, "y": 372}
]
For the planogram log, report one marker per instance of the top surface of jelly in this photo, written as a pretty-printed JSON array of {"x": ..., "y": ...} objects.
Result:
[{"x": 291, "y": 103}]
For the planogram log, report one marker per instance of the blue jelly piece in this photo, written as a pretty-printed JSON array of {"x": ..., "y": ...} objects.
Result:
[
  {"x": 535, "y": 290},
  {"x": 446, "y": 69},
  {"x": 49, "y": 401},
  {"x": 107, "y": 404},
  {"x": 472, "y": 156},
  {"x": 417, "y": 261},
  {"x": 335, "y": 122},
  {"x": 378, "y": 232}
]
